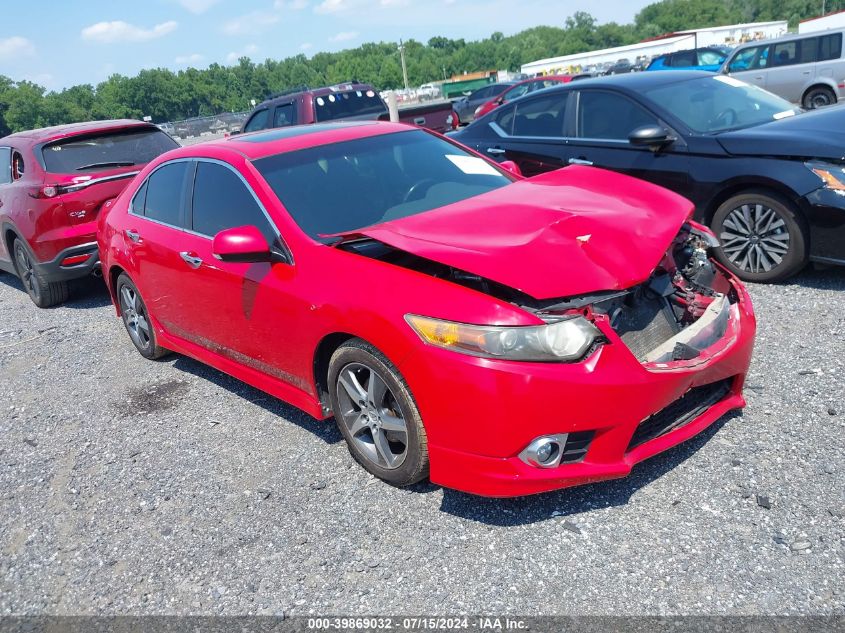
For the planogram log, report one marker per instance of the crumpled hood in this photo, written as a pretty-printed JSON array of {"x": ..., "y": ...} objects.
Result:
[
  {"x": 565, "y": 233},
  {"x": 816, "y": 134}
]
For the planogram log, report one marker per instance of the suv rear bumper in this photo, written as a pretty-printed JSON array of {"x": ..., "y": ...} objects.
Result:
[{"x": 71, "y": 263}]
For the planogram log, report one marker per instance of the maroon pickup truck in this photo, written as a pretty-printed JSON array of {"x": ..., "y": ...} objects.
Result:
[{"x": 343, "y": 102}]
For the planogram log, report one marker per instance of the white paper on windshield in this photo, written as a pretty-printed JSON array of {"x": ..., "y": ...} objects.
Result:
[
  {"x": 736, "y": 83},
  {"x": 473, "y": 165},
  {"x": 783, "y": 115}
]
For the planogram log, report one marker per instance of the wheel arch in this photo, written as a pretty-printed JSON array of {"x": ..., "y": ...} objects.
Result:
[
  {"x": 764, "y": 185},
  {"x": 112, "y": 275},
  {"x": 322, "y": 355}
]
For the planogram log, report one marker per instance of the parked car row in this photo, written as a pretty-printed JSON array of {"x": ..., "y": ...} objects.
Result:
[{"x": 410, "y": 287}]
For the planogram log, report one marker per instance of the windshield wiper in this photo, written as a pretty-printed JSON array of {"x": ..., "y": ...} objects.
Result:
[{"x": 111, "y": 163}]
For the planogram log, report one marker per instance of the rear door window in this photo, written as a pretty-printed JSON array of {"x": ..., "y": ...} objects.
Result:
[
  {"x": 222, "y": 201},
  {"x": 683, "y": 59},
  {"x": 104, "y": 151},
  {"x": 541, "y": 116},
  {"x": 830, "y": 47},
  {"x": 165, "y": 193},
  {"x": 5, "y": 165}
]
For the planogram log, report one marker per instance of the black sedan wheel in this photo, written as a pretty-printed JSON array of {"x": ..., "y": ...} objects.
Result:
[
  {"x": 44, "y": 294},
  {"x": 762, "y": 237},
  {"x": 136, "y": 319},
  {"x": 377, "y": 415}
]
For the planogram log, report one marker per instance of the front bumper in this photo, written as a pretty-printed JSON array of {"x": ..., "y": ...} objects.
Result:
[
  {"x": 825, "y": 212},
  {"x": 481, "y": 413}
]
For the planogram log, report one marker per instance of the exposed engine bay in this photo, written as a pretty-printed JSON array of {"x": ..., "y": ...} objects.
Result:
[{"x": 684, "y": 306}]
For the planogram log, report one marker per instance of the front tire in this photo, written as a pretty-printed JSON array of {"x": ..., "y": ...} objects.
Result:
[
  {"x": 136, "y": 319},
  {"x": 377, "y": 415},
  {"x": 44, "y": 294},
  {"x": 762, "y": 237}
]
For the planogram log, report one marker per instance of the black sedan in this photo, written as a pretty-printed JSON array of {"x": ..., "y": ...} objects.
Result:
[{"x": 768, "y": 179}]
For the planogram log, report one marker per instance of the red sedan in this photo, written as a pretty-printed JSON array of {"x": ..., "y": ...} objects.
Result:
[
  {"x": 521, "y": 89},
  {"x": 53, "y": 182},
  {"x": 502, "y": 336}
]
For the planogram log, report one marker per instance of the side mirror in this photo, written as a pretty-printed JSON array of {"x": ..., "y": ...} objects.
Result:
[
  {"x": 241, "y": 244},
  {"x": 512, "y": 167},
  {"x": 651, "y": 136}
]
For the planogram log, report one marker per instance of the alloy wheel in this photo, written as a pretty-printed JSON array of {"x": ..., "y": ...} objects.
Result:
[
  {"x": 372, "y": 415},
  {"x": 27, "y": 273},
  {"x": 755, "y": 238},
  {"x": 135, "y": 317}
]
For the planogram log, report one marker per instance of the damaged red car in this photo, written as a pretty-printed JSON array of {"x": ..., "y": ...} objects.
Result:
[{"x": 501, "y": 336}]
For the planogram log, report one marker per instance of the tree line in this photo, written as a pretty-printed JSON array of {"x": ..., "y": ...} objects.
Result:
[{"x": 166, "y": 95}]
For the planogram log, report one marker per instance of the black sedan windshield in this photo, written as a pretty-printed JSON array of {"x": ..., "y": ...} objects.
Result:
[
  {"x": 718, "y": 104},
  {"x": 346, "y": 186}
]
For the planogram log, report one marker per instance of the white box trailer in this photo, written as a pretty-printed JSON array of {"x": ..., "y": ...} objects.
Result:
[{"x": 823, "y": 23}]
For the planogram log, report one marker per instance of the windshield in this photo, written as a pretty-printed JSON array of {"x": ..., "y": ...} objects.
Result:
[
  {"x": 718, "y": 104},
  {"x": 344, "y": 105},
  {"x": 122, "y": 148},
  {"x": 346, "y": 186}
]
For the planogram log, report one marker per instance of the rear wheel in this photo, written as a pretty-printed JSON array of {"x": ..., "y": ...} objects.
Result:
[
  {"x": 819, "y": 97},
  {"x": 43, "y": 293},
  {"x": 762, "y": 237},
  {"x": 136, "y": 319},
  {"x": 377, "y": 415}
]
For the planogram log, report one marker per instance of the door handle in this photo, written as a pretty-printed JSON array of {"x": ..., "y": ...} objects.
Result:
[
  {"x": 192, "y": 260},
  {"x": 495, "y": 151},
  {"x": 579, "y": 161},
  {"x": 420, "y": 120},
  {"x": 132, "y": 235}
]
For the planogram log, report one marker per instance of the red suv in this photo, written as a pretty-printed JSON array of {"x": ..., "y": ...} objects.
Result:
[{"x": 53, "y": 182}]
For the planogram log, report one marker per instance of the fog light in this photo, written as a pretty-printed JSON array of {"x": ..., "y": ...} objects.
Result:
[{"x": 545, "y": 451}]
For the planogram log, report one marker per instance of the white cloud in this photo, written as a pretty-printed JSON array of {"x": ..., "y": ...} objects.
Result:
[
  {"x": 234, "y": 56},
  {"x": 197, "y": 6},
  {"x": 253, "y": 22},
  {"x": 120, "y": 31},
  {"x": 194, "y": 58},
  {"x": 393, "y": 3},
  {"x": 306, "y": 46},
  {"x": 16, "y": 47},
  {"x": 290, "y": 4},
  {"x": 344, "y": 36},
  {"x": 331, "y": 6}
]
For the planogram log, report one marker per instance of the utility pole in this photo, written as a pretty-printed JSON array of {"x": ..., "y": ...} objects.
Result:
[{"x": 404, "y": 68}]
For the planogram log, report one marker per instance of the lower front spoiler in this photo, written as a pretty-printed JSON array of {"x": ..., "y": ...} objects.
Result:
[
  {"x": 511, "y": 477},
  {"x": 71, "y": 263}
]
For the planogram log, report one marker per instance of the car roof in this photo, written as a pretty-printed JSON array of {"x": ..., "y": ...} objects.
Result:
[
  {"x": 255, "y": 145},
  {"x": 56, "y": 132},
  {"x": 635, "y": 81},
  {"x": 788, "y": 38}
]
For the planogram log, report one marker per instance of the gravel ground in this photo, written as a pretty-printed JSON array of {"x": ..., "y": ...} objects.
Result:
[{"x": 137, "y": 487}]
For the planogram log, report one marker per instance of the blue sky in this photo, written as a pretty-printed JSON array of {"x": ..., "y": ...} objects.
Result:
[{"x": 84, "y": 41}]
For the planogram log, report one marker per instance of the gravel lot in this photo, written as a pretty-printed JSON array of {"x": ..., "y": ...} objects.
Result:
[{"x": 137, "y": 487}]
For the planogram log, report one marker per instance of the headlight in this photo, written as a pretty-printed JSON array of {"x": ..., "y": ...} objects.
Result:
[
  {"x": 561, "y": 341},
  {"x": 833, "y": 176}
]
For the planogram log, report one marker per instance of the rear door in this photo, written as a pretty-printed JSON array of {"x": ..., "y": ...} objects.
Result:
[
  {"x": 154, "y": 236},
  {"x": 531, "y": 132},
  {"x": 792, "y": 68}
]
